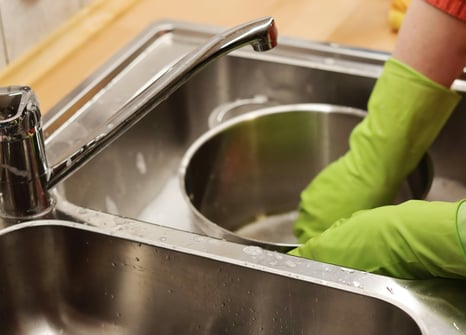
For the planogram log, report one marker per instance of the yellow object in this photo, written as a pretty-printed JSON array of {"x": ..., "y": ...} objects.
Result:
[{"x": 397, "y": 13}]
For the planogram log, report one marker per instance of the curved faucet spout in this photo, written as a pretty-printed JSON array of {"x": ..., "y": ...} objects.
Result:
[
  {"x": 25, "y": 174},
  {"x": 261, "y": 34}
]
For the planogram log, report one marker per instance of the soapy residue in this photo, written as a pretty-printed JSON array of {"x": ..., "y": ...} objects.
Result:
[{"x": 275, "y": 228}]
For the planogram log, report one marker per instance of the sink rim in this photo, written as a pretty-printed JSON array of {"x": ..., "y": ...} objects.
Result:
[
  {"x": 431, "y": 313},
  {"x": 249, "y": 260}
]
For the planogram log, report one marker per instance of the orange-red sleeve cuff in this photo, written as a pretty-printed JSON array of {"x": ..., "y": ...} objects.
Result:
[{"x": 456, "y": 8}]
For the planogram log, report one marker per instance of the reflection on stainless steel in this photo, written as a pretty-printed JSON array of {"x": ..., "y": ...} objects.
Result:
[
  {"x": 261, "y": 34},
  {"x": 243, "y": 178},
  {"x": 231, "y": 109},
  {"x": 128, "y": 277},
  {"x": 111, "y": 273},
  {"x": 23, "y": 165}
]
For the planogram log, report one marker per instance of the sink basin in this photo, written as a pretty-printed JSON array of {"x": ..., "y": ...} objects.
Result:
[
  {"x": 134, "y": 263},
  {"x": 58, "y": 277},
  {"x": 137, "y": 176}
]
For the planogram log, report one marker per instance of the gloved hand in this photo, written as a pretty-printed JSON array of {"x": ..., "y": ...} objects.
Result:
[
  {"x": 406, "y": 112},
  {"x": 414, "y": 240}
]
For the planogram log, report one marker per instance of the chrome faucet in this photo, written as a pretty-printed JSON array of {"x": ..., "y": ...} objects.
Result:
[
  {"x": 26, "y": 177},
  {"x": 23, "y": 165}
]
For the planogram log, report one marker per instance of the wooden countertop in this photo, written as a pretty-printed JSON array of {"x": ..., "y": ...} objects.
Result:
[{"x": 59, "y": 63}]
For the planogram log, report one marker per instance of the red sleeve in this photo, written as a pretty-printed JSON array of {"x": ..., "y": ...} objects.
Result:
[{"x": 456, "y": 8}]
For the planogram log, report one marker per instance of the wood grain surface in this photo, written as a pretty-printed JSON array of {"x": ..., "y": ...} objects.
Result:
[{"x": 65, "y": 58}]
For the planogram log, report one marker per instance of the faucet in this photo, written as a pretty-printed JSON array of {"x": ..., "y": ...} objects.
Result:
[{"x": 25, "y": 175}]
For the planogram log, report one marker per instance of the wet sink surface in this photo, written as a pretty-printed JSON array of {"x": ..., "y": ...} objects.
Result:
[
  {"x": 108, "y": 278},
  {"x": 137, "y": 176},
  {"x": 57, "y": 278}
]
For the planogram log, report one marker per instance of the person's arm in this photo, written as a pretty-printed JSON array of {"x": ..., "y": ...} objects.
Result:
[
  {"x": 408, "y": 107},
  {"x": 432, "y": 41},
  {"x": 413, "y": 240}
]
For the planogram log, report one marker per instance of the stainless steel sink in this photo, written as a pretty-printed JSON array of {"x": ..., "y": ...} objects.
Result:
[
  {"x": 58, "y": 277},
  {"x": 137, "y": 176},
  {"x": 135, "y": 264}
]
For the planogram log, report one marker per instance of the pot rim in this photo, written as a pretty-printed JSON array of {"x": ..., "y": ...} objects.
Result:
[{"x": 213, "y": 229}]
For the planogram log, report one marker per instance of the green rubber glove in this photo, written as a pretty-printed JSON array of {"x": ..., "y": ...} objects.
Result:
[
  {"x": 414, "y": 240},
  {"x": 406, "y": 112}
]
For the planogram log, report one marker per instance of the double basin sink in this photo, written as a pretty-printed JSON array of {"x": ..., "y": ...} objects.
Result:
[{"x": 123, "y": 255}]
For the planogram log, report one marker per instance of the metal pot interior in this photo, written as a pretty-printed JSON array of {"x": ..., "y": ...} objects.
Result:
[{"x": 243, "y": 179}]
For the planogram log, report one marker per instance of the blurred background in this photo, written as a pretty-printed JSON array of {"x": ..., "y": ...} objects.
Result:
[{"x": 74, "y": 37}]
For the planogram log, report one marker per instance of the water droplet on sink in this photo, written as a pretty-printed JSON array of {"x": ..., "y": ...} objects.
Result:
[
  {"x": 357, "y": 284},
  {"x": 111, "y": 206},
  {"x": 198, "y": 238},
  {"x": 119, "y": 220},
  {"x": 278, "y": 256},
  {"x": 290, "y": 264},
  {"x": 141, "y": 163},
  {"x": 252, "y": 250},
  {"x": 82, "y": 211}
]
